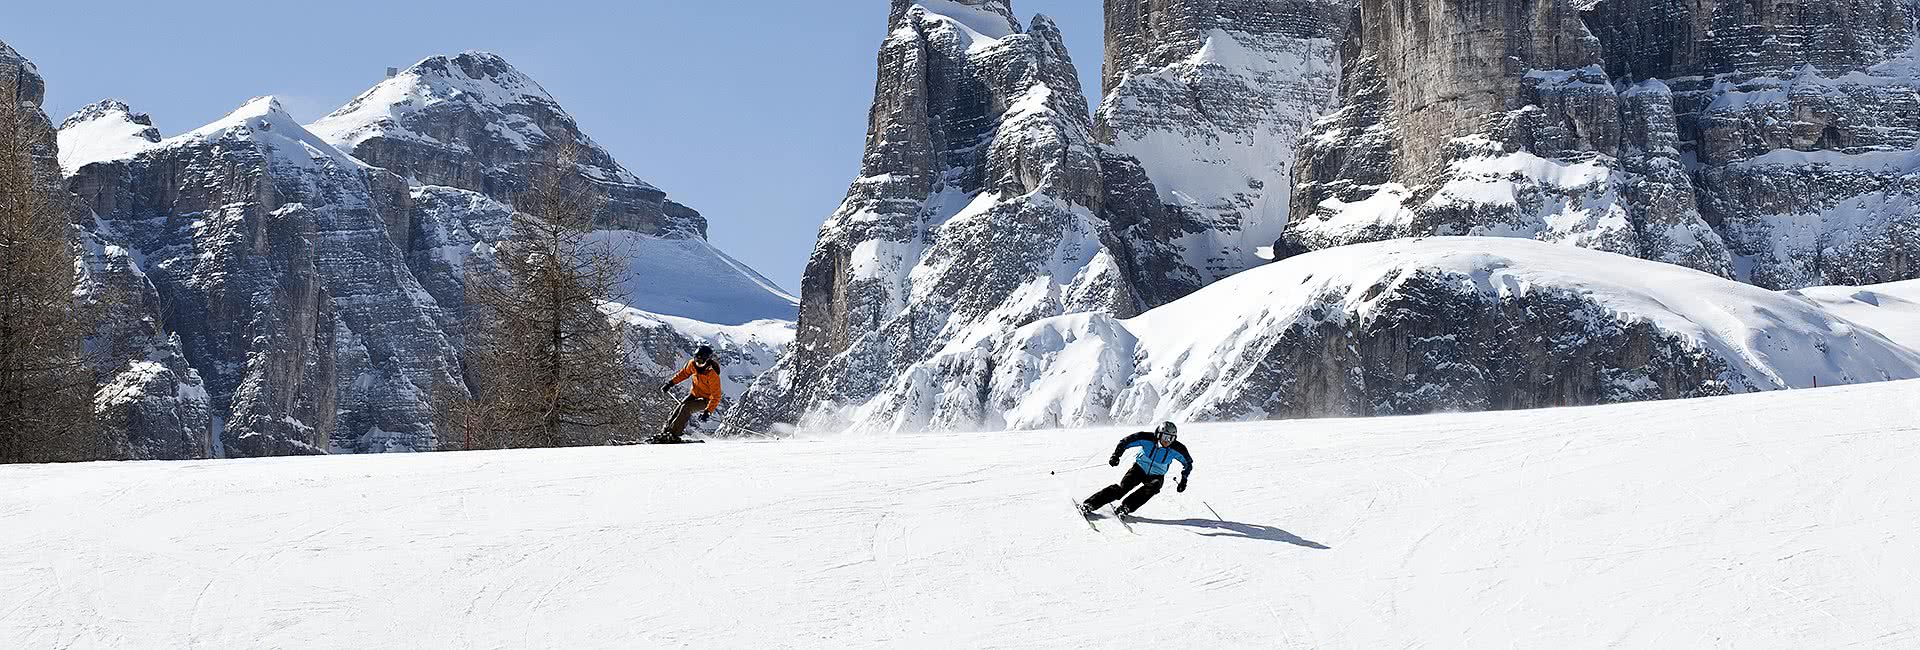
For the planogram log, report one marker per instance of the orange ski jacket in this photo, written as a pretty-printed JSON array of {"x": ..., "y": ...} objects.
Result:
[{"x": 706, "y": 381}]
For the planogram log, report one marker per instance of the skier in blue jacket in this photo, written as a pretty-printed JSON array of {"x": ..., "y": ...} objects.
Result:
[{"x": 1158, "y": 451}]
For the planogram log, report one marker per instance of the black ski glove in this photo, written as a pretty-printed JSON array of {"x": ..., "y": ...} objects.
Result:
[
  {"x": 1182, "y": 487},
  {"x": 704, "y": 416},
  {"x": 1114, "y": 461},
  {"x": 667, "y": 389}
]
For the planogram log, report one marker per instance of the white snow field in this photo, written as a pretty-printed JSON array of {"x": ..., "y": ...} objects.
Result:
[{"x": 1776, "y": 520}]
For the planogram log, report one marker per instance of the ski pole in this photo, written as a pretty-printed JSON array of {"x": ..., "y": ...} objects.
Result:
[
  {"x": 1216, "y": 513},
  {"x": 1076, "y": 469}
]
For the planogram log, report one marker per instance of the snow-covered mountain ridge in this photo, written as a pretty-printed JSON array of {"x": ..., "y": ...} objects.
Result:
[
  {"x": 1776, "y": 520},
  {"x": 1408, "y": 326}
]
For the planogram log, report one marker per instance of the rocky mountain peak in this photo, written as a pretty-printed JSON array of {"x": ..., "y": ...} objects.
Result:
[
  {"x": 475, "y": 122},
  {"x": 31, "y": 89},
  {"x": 110, "y": 109},
  {"x": 103, "y": 131},
  {"x": 979, "y": 15},
  {"x": 264, "y": 121}
]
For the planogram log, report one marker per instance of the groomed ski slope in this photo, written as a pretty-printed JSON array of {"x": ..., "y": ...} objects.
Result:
[{"x": 1773, "y": 520}]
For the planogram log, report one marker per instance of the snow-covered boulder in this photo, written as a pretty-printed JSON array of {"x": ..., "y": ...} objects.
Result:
[{"x": 1401, "y": 327}]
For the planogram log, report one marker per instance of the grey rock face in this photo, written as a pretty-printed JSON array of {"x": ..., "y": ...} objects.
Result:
[
  {"x": 1211, "y": 96},
  {"x": 150, "y": 396},
  {"x": 452, "y": 231},
  {"x": 475, "y": 122},
  {"x": 979, "y": 208},
  {"x": 281, "y": 276},
  {"x": 1772, "y": 144}
]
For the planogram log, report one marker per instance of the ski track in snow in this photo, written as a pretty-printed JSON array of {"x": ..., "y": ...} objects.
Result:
[{"x": 1782, "y": 519}]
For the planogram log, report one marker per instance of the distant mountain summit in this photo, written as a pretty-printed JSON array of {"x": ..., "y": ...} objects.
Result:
[
  {"x": 104, "y": 130},
  {"x": 475, "y": 122}
]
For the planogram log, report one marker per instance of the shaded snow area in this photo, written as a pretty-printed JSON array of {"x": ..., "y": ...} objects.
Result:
[
  {"x": 1216, "y": 131},
  {"x": 692, "y": 279},
  {"x": 1780, "y": 520},
  {"x": 1891, "y": 309},
  {"x": 1209, "y": 355}
]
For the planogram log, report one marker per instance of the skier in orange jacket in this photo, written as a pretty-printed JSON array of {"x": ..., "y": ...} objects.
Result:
[{"x": 705, "y": 397}]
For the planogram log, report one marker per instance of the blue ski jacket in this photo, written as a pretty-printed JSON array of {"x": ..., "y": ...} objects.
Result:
[{"x": 1155, "y": 459}]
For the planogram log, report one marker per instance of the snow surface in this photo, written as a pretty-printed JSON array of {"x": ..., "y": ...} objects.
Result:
[
  {"x": 1892, "y": 309},
  {"x": 984, "y": 25},
  {"x": 1233, "y": 170},
  {"x": 1761, "y": 334},
  {"x": 263, "y": 120},
  {"x": 108, "y": 136},
  {"x": 692, "y": 279},
  {"x": 1774, "y": 520}
]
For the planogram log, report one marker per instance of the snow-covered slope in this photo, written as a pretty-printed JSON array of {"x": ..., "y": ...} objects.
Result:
[
  {"x": 1212, "y": 99},
  {"x": 104, "y": 131},
  {"x": 1779, "y": 521},
  {"x": 1403, "y": 326},
  {"x": 689, "y": 278},
  {"x": 1892, "y": 309}
]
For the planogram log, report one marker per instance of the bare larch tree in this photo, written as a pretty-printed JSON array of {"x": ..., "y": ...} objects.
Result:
[
  {"x": 46, "y": 378},
  {"x": 544, "y": 365}
]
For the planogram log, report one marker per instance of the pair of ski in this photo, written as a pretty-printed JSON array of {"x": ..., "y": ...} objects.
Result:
[{"x": 1114, "y": 511}]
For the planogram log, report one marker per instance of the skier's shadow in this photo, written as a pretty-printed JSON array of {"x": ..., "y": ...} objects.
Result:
[{"x": 1237, "y": 529}]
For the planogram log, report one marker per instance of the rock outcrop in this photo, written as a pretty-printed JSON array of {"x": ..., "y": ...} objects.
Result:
[
  {"x": 1211, "y": 97},
  {"x": 1772, "y": 144},
  {"x": 979, "y": 208},
  {"x": 149, "y": 396}
]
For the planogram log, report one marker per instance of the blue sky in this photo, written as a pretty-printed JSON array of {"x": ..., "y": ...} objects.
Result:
[{"x": 751, "y": 111}]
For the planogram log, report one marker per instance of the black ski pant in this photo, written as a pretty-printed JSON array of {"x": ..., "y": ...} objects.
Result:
[
  {"x": 678, "y": 423},
  {"x": 1136, "y": 478}
]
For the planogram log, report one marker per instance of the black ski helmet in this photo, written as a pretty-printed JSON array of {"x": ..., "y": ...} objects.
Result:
[
  {"x": 705, "y": 352},
  {"x": 1167, "y": 433}
]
